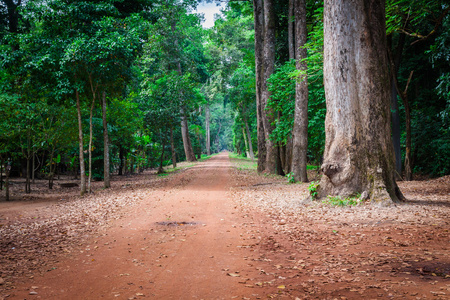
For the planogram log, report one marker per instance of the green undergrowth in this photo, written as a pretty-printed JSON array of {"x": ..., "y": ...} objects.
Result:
[
  {"x": 184, "y": 165},
  {"x": 243, "y": 163},
  {"x": 339, "y": 201}
]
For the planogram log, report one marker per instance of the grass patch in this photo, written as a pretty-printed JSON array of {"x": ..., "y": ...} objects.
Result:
[
  {"x": 243, "y": 163},
  {"x": 310, "y": 167},
  {"x": 338, "y": 201},
  {"x": 206, "y": 157}
]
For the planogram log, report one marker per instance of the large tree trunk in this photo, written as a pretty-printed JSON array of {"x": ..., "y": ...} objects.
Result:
[
  {"x": 80, "y": 142},
  {"x": 272, "y": 159},
  {"x": 300, "y": 130},
  {"x": 259, "y": 42},
  {"x": 106, "y": 173},
  {"x": 358, "y": 148},
  {"x": 172, "y": 148},
  {"x": 188, "y": 151},
  {"x": 208, "y": 130}
]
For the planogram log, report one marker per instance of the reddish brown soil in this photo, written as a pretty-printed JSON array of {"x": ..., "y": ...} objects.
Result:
[{"x": 213, "y": 232}]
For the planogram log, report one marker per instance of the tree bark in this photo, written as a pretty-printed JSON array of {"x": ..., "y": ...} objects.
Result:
[
  {"x": 172, "y": 148},
  {"x": 94, "y": 93},
  {"x": 395, "y": 56},
  {"x": 291, "y": 30},
  {"x": 33, "y": 166},
  {"x": 90, "y": 144},
  {"x": 161, "y": 159},
  {"x": 249, "y": 138},
  {"x": 7, "y": 172},
  {"x": 358, "y": 148},
  {"x": 13, "y": 15},
  {"x": 52, "y": 171},
  {"x": 80, "y": 142},
  {"x": 268, "y": 69},
  {"x": 27, "y": 182},
  {"x": 300, "y": 130},
  {"x": 188, "y": 150},
  {"x": 208, "y": 130},
  {"x": 247, "y": 151},
  {"x": 106, "y": 173},
  {"x": 121, "y": 161},
  {"x": 1, "y": 173},
  {"x": 259, "y": 42},
  {"x": 288, "y": 155},
  {"x": 404, "y": 96},
  {"x": 408, "y": 168}
]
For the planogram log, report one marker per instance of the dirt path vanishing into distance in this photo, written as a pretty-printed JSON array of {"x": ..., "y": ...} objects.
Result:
[
  {"x": 185, "y": 242},
  {"x": 216, "y": 232}
]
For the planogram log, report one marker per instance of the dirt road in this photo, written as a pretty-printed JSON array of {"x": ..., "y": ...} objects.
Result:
[
  {"x": 185, "y": 242},
  {"x": 215, "y": 232}
]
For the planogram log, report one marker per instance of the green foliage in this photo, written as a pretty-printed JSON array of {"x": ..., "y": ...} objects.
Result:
[
  {"x": 312, "y": 188},
  {"x": 282, "y": 86},
  {"x": 290, "y": 177}
]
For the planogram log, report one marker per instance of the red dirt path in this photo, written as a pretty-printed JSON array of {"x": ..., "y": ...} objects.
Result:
[
  {"x": 211, "y": 232},
  {"x": 139, "y": 258}
]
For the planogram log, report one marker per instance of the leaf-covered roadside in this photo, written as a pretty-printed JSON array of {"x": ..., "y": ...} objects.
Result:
[
  {"x": 31, "y": 242},
  {"x": 317, "y": 251}
]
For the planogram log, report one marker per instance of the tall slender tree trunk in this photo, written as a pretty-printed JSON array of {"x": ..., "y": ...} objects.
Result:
[
  {"x": 259, "y": 42},
  {"x": 33, "y": 167},
  {"x": 27, "y": 157},
  {"x": 249, "y": 138},
  {"x": 208, "y": 130},
  {"x": 272, "y": 159},
  {"x": 90, "y": 144},
  {"x": 106, "y": 172},
  {"x": 172, "y": 148},
  {"x": 395, "y": 56},
  {"x": 121, "y": 160},
  {"x": 288, "y": 155},
  {"x": 161, "y": 159},
  {"x": 396, "y": 132},
  {"x": 51, "y": 175},
  {"x": 7, "y": 172},
  {"x": 291, "y": 30},
  {"x": 247, "y": 151},
  {"x": 300, "y": 130},
  {"x": 1, "y": 173},
  {"x": 91, "y": 113},
  {"x": 358, "y": 154},
  {"x": 188, "y": 151},
  {"x": 404, "y": 96},
  {"x": 408, "y": 167},
  {"x": 80, "y": 142}
]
